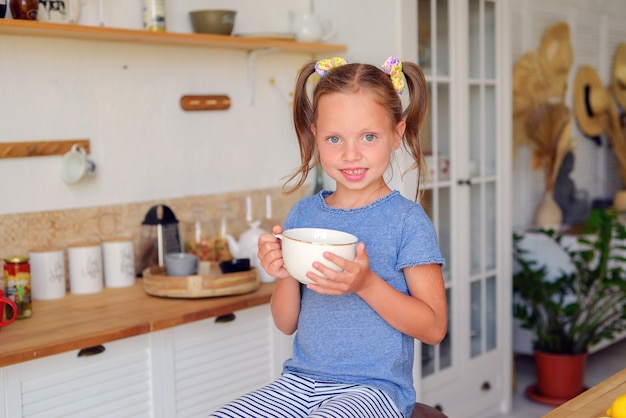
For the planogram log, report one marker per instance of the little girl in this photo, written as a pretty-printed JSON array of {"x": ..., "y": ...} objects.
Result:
[{"x": 353, "y": 350}]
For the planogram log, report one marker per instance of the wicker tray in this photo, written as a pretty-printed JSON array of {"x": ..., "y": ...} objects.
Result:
[{"x": 157, "y": 283}]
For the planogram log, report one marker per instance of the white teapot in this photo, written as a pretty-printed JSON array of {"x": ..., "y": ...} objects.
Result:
[
  {"x": 248, "y": 246},
  {"x": 311, "y": 28}
]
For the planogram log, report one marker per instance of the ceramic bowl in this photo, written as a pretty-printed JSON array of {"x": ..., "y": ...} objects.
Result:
[
  {"x": 216, "y": 22},
  {"x": 303, "y": 246},
  {"x": 181, "y": 264},
  {"x": 235, "y": 265}
]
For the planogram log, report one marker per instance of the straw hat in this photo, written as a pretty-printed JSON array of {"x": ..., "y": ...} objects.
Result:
[
  {"x": 591, "y": 101},
  {"x": 557, "y": 56},
  {"x": 530, "y": 88},
  {"x": 618, "y": 82}
]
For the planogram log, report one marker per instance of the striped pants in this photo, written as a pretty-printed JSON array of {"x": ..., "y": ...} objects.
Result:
[{"x": 294, "y": 396}]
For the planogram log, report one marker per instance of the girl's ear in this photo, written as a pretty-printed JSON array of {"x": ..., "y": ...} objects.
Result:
[
  {"x": 400, "y": 128},
  {"x": 313, "y": 129}
]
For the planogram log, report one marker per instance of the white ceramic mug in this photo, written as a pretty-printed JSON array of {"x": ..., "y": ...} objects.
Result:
[
  {"x": 59, "y": 11},
  {"x": 75, "y": 165},
  {"x": 119, "y": 262},
  {"x": 47, "y": 271},
  {"x": 311, "y": 28},
  {"x": 85, "y": 266},
  {"x": 303, "y": 246}
]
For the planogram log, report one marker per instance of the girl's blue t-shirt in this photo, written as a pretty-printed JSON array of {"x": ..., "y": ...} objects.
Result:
[{"x": 340, "y": 338}]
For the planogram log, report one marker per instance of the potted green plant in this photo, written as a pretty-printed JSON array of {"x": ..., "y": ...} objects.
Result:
[{"x": 572, "y": 312}]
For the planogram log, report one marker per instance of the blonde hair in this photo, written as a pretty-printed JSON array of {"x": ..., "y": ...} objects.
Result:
[{"x": 353, "y": 78}]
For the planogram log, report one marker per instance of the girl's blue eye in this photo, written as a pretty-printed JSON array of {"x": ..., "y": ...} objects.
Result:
[
  {"x": 333, "y": 139},
  {"x": 370, "y": 137}
]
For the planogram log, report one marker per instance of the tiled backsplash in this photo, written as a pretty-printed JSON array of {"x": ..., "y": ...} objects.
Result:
[{"x": 22, "y": 232}]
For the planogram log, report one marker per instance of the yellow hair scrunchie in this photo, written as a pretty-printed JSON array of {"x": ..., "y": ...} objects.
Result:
[
  {"x": 393, "y": 67},
  {"x": 323, "y": 66}
]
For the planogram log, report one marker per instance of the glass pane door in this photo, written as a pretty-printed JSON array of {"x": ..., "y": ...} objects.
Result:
[
  {"x": 482, "y": 119},
  {"x": 434, "y": 58}
]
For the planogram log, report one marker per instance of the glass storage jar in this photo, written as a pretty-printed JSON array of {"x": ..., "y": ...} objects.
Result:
[
  {"x": 199, "y": 235},
  {"x": 17, "y": 282}
]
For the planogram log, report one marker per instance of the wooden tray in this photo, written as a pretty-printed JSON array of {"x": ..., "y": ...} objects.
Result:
[{"x": 157, "y": 283}]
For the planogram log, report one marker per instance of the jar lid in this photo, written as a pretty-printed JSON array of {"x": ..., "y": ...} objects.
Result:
[
  {"x": 116, "y": 239},
  {"x": 85, "y": 244},
  {"x": 20, "y": 258},
  {"x": 45, "y": 249}
]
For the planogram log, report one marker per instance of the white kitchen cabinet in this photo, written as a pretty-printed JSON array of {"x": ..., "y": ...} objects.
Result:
[
  {"x": 3, "y": 398},
  {"x": 183, "y": 371},
  {"x": 113, "y": 383},
  {"x": 205, "y": 364},
  {"x": 462, "y": 46}
]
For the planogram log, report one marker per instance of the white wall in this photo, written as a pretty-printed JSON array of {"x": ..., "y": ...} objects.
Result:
[
  {"x": 124, "y": 97},
  {"x": 596, "y": 27}
]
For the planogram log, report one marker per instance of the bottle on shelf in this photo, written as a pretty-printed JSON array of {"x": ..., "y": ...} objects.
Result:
[
  {"x": 154, "y": 15},
  {"x": 24, "y": 9}
]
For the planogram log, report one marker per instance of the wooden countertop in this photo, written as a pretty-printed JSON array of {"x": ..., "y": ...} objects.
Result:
[
  {"x": 80, "y": 321},
  {"x": 594, "y": 402}
]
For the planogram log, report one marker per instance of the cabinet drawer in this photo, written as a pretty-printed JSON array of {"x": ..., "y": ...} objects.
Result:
[
  {"x": 216, "y": 361},
  {"x": 477, "y": 396},
  {"x": 113, "y": 382}
]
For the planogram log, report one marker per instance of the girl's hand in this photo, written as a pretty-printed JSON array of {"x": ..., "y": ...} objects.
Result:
[
  {"x": 271, "y": 254},
  {"x": 354, "y": 277}
]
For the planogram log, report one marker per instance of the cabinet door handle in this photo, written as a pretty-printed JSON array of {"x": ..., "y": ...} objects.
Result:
[
  {"x": 225, "y": 318},
  {"x": 91, "y": 351},
  {"x": 464, "y": 182},
  {"x": 486, "y": 387}
]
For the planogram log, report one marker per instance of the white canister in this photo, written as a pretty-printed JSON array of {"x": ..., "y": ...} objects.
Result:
[
  {"x": 119, "y": 262},
  {"x": 47, "y": 272},
  {"x": 85, "y": 266}
]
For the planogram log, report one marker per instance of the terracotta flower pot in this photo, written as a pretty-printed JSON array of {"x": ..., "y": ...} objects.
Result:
[{"x": 560, "y": 376}]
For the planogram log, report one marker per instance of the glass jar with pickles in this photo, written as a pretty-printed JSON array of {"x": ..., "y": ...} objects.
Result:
[{"x": 17, "y": 283}]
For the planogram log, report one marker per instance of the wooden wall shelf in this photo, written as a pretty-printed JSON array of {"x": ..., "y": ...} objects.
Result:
[
  {"x": 97, "y": 33},
  {"x": 40, "y": 148}
]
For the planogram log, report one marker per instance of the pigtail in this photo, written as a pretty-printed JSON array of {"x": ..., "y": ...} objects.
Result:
[
  {"x": 302, "y": 119},
  {"x": 414, "y": 115}
]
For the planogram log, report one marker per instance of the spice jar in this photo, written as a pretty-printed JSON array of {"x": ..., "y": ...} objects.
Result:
[
  {"x": 17, "y": 282},
  {"x": 24, "y": 9}
]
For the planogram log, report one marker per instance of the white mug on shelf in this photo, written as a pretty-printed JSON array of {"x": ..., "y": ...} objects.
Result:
[
  {"x": 75, "y": 165},
  {"x": 85, "y": 266},
  {"x": 59, "y": 11},
  {"x": 47, "y": 270}
]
